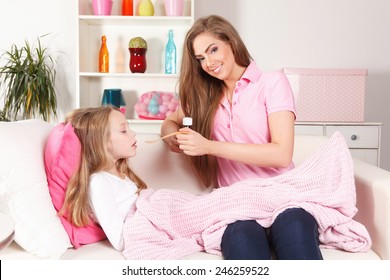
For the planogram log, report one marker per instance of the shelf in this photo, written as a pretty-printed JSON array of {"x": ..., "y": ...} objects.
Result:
[
  {"x": 127, "y": 75},
  {"x": 135, "y": 20},
  {"x": 119, "y": 30},
  {"x": 145, "y": 126},
  {"x": 141, "y": 121}
]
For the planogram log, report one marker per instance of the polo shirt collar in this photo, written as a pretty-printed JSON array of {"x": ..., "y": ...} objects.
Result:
[{"x": 252, "y": 73}]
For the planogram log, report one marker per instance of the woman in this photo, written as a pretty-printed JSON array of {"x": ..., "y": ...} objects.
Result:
[{"x": 243, "y": 127}]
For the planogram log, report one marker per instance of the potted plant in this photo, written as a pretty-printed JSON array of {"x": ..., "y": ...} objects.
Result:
[
  {"x": 27, "y": 81},
  {"x": 2, "y": 117}
]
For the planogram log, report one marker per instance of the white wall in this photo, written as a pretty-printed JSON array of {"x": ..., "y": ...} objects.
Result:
[
  {"x": 319, "y": 34},
  {"x": 22, "y": 20},
  {"x": 278, "y": 33}
]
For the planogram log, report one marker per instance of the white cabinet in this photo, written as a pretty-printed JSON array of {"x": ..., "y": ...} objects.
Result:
[
  {"x": 363, "y": 138},
  {"x": 119, "y": 30}
]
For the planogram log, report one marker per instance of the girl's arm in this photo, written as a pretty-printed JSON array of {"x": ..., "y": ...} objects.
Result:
[
  {"x": 277, "y": 153},
  {"x": 109, "y": 210}
]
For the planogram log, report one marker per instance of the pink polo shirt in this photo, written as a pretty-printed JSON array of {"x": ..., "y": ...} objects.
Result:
[{"x": 256, "y": 95}]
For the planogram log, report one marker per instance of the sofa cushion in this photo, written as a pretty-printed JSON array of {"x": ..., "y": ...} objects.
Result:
[
  {"x": 24, "y": 194},
  {"x": 62, "y": 157}
]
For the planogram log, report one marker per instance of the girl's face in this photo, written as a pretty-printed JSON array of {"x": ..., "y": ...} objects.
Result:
[
  {"x": 122, "y": 142},
  {"x": 215, "y": 56}
]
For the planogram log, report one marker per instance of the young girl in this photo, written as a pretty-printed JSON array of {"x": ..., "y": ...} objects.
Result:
[
  {"x": 104, "y": 185},
  {"x": 243, "y": 127}
]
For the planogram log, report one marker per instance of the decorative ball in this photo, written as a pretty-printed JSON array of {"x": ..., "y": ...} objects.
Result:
[
  {"x": 156, "y": 105},
  {"x": 163, "y": 109},
  {"x": 138, "y": 42}
]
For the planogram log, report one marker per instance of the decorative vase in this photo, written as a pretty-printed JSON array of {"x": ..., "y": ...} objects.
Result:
[
  {"x": 114, "y": 96},
  {"x": 137, "y": 60},
  {"x": 174, "y": 7},
  {"x": 145, "y": 8},
  {"x": 170, "y": 55},
  {"x": 102, "y": 7},
  {"x": 137, "y": 48},
  {"x": 127, "y": 7},
  {"x": 104, "y": 57}
]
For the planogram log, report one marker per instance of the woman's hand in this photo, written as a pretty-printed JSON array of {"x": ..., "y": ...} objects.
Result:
[
  {"x": 173, "y": 144},
  {"x": 192, "y": 143}
]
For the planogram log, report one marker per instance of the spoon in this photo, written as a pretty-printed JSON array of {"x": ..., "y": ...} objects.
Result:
[{"x": 165, "y": 136}]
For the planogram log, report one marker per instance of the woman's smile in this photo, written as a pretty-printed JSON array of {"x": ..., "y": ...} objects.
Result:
[{"x": 217, "y": 70}]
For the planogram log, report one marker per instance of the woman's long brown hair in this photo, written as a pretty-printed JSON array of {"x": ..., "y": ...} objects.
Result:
[
  {"x": 92, "y": 128},
  {"x": 200, "y": 93}
]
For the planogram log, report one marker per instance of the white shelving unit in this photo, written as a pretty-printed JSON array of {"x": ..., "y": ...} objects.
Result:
[{"x": 119, "y": 30}]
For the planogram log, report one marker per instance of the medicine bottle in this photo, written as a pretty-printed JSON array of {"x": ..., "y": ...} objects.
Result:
[{"x": 187, "y": 122}]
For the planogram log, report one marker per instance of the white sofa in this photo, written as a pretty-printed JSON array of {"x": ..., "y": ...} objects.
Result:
[{"x": 162, "y": 169}]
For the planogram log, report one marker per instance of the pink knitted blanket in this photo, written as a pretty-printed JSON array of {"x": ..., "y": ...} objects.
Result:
[{"x": 169, "y": 224}]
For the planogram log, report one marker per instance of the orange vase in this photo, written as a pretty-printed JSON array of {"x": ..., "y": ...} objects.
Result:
[
  {"x": 127, "y": 7},
  {"x": 104, "y": 59}
]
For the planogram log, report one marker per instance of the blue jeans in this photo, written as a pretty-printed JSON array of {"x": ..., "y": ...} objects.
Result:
[{"x": 292, "y": 236}]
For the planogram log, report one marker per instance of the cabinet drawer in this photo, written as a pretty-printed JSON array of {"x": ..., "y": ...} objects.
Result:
[
  {"x": 309, "y": 129},
  {"x": 357, "y": 136}
]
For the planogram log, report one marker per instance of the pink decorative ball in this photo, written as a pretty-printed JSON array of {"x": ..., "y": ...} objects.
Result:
[
  {"x": 163, "y": 109},
  {"x": 156, "y": 105}
]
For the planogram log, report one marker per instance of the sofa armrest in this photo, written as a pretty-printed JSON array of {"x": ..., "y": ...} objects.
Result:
[{"x": 373, "y": 203}]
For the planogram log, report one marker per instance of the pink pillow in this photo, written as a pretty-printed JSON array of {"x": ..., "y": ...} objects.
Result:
[{"x": 62, "y": 157}]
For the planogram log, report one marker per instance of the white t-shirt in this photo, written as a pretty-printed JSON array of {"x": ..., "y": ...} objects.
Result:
[{"x": 111, "y": 198}]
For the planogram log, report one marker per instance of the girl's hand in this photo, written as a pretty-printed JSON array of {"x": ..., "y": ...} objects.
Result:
[{"x": 192, "y": 143}]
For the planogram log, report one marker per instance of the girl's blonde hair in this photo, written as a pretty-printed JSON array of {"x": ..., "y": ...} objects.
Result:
[
  {"x": 92, "y": 128},
  {"x": 200, "y": 93}
]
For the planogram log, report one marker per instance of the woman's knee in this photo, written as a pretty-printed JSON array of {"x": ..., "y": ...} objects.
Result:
[
  {"x": 294, "y": 235},
  {"x": 295, "y": 219},
  {"x": 244, "y": 240},
  {"x": 243, "y": 229}
]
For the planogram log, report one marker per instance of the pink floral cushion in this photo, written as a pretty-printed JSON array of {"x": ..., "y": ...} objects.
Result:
[{"x": 62, "y": 157}]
